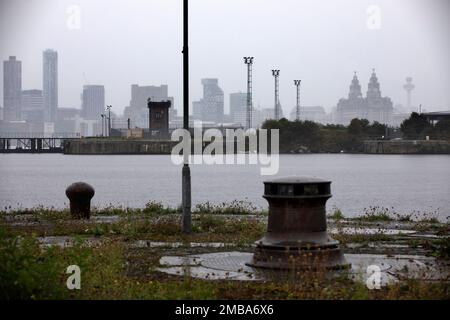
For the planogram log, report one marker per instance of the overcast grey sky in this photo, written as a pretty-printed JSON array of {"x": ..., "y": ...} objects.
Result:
[{"x": 322, "y": 42}]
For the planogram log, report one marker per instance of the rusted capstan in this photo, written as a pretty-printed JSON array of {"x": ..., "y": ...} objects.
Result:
[{"x": 296, "y": 235}]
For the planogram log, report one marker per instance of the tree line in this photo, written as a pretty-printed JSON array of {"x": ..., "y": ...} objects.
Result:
[{"x": 309, "y": 136}]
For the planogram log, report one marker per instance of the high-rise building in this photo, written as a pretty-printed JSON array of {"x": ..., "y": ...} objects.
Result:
[
  {"x": 67, "y": 119},
  {"x": 238, "y": 106},
  {"x": 373, "y": 108},
  {"x": 137, "y": 112},
  {"x": 93, "y": 102},
  {"x": 211, "y": 106},
  {"x": 12, "y": 89},
  {"x": 50, "y": 84},
  {"x": 32, "y": 106}
]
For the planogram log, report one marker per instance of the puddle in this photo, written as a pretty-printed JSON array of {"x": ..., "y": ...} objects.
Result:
[
  {"x": 66, "y": 241},
  {"x": 232, "y": 266},
  {"x": 156, "y": 244}
]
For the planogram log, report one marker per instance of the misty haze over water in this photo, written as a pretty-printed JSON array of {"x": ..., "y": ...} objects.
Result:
[
  {"x": 119, "y": 43},
  {"x": 408, "y": 183}
]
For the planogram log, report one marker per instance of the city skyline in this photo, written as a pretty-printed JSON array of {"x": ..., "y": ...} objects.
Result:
[
  {"x": 50, "y": 99},
  {"x": 222, "y": 58},
  {"x": 42, "y": 105}
]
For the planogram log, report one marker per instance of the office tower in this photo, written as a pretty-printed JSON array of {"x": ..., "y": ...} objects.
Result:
[
  {"x": 12, "y": 89},
  {"x": 93, "y": 102},
  {"x": 50, "y": 84},
  {"x": 211, "y": 106},
  {"x": 33, "y": 106},
  {"x": 238, "y": 108}
]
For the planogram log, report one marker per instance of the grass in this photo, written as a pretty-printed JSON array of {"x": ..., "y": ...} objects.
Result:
[
  {"x": 227, "y": 208},
  {"x": 205, "y": 227},
  {"x": 111, "y": 271},
  {"x": 376, "y": 214},
  {"x": 336, "y": 215}
]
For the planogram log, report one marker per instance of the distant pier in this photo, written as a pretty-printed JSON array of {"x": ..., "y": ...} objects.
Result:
[
  {"x": 407, "y": 147},
  {"x": 102, "y": 146}
]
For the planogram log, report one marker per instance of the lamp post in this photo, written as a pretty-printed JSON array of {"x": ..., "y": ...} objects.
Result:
[
  {"x": 109, "y": 119},
  {"x": 186, "y": 171},
  {"x": 249, "y": 62},
  {"x": 297, "y": 110},
  {"x": 103, "y": 126},
  {"x": 276, "y": 74}
]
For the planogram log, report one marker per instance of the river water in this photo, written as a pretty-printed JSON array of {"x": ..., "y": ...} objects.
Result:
[{"x": 403, "y": 183}]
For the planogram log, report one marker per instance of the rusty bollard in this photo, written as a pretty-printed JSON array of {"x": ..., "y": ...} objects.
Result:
[{"x": 80, "y": 195}]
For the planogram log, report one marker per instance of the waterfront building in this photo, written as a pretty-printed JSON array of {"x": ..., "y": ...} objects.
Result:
[
  {"x": 33, "y": 105},
  {"x": 50, "y": 84},
  {"x": 12, "y": 89},
  {"x": 373, "y": 107},
  {"x": 66, "y": 119},
  {"x": 238, "y": 102},
  {"x": 138, "y": 112},
  {"x": 211, "y": 106},
  {"x": 158, "y": 119},
  {"x": 93, "y": 102}
]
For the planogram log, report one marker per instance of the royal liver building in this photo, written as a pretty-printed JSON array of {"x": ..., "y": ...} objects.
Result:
[{"x": 373, "y": 107}]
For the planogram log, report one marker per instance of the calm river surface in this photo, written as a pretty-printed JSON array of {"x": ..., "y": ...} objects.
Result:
[{"x": 408, "y": 183}]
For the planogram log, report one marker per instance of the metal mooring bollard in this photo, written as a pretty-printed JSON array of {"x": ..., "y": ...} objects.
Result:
[
  {"x": 80, "y": 195},
  {"x": 296, "y": 235}
]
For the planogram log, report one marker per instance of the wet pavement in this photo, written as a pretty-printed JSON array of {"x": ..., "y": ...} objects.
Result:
[{"x": 233, "y": 266}]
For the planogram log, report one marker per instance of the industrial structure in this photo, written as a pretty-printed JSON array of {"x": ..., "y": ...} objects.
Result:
[
  {"x": 277, "y": 111},
  {"x": 137, "y": 111},
  {"x": 158, "y": 118},
  {"x": 249, "y": 62},
  {"x": 297, "y": 105},
  {"x": 297, "y": 237}
]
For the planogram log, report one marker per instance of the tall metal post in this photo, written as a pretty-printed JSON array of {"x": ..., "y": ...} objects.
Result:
[
  {"x": 186, "y": 171},
  {"x": 276, "y": 74},
  {"x": 109, "y": 120},
  {"x": 249, "y": 62},
  {"x": 297, "y": 109},
  {"x": 103, "y": 124}
]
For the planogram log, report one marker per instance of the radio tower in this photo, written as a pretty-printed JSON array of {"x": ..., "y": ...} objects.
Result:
[
  {"x": 297, "y": 110},
  {"x": 276, "y": 74},
  {"x": 249, "y": 62}
]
